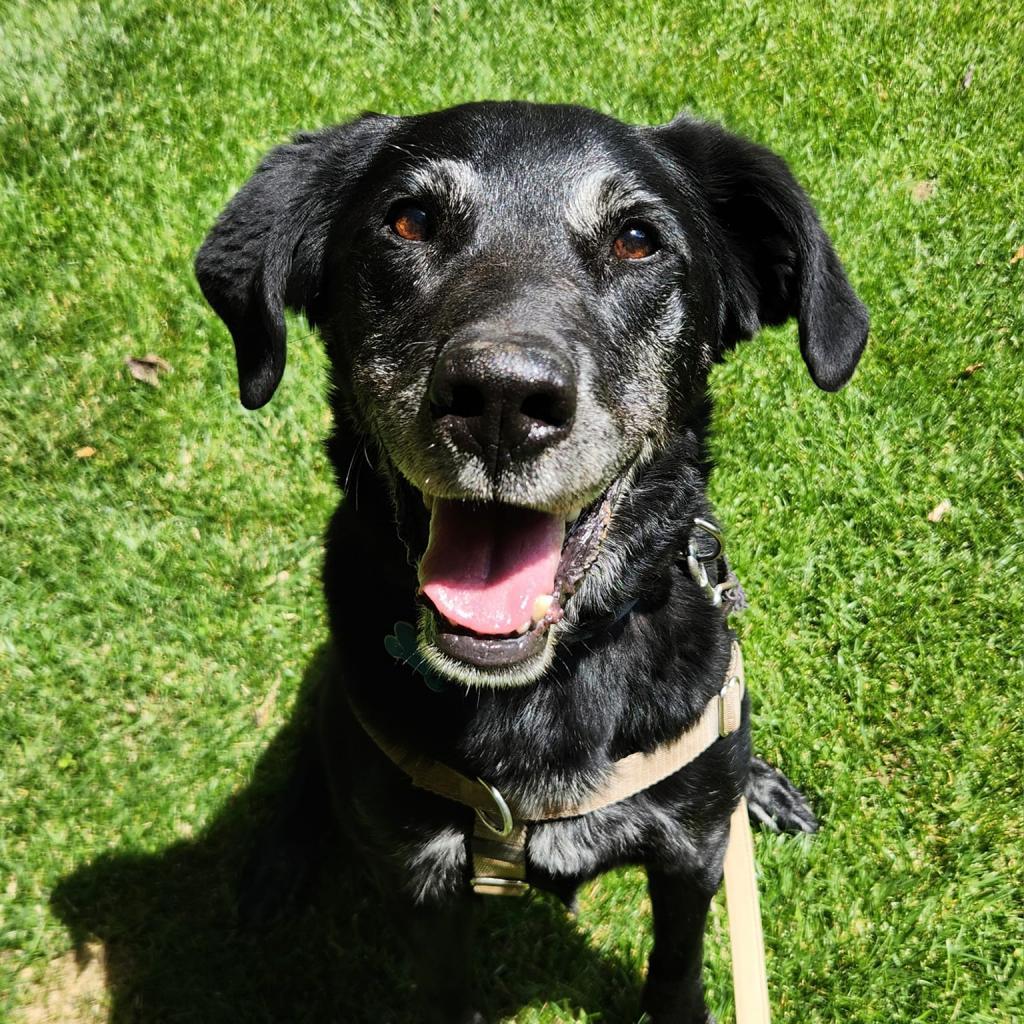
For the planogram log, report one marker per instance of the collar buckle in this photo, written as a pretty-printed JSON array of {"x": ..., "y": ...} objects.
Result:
[
  {"x": 730, "y": 706},
  {"x": 491, "y": 885}
]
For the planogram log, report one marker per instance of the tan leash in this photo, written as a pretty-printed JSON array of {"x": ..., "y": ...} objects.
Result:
[{"x": 749, "y": 971}]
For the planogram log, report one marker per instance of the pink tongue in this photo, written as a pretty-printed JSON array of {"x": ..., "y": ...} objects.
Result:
[{"x": 485, "y": 565}]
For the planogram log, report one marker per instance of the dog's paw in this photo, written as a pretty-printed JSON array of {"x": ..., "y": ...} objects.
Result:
[{"x": 774, "y": 803}]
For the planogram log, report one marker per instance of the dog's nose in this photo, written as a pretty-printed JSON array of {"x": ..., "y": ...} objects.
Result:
[{"x": 503, "y": 398}]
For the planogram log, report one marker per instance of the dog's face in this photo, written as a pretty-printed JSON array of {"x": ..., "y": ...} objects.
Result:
[
  {"x": 507, "y": 306},
  {"x": 521, "y": 305}
]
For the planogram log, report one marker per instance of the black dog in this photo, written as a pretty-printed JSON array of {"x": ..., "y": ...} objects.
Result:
[{"x": 521, "y": 305}]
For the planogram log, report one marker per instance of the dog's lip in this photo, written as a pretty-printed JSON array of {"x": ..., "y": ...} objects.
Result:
[{"x": 489, "y": 652}]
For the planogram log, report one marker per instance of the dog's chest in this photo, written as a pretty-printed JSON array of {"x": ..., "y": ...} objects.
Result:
[
  {"x": 631, "y": 831},
  {"x": 566, "y": 852}
]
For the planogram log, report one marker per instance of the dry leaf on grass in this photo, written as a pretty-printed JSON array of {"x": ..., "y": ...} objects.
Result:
[
  {"x": 970, "y": 371},
  {"x": 940, "y": 511},
  {"x": 1017, "y": 256},
  {"x": 923, "y": 191},
  {"x": 85, "y": 452},
  {"x": 148, "y": 368},
  {"x": 262, "y": 714}
]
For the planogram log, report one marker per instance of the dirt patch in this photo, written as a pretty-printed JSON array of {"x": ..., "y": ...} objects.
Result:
[{"x": 69, "y": 990}]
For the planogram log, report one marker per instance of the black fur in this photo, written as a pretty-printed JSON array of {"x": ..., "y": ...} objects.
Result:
[{"x": 526, "y": 201}]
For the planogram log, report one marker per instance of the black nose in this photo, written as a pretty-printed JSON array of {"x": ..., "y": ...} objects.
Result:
[{"x": 503, "y": 398}]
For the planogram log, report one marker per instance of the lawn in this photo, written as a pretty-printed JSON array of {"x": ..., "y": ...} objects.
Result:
[{"x": 160, "y": 547}]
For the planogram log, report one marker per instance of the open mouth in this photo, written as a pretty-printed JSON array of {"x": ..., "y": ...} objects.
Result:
[{"x": 495, "y": 578}]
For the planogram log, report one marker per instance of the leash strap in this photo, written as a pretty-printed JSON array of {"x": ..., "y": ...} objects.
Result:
[{"x": 749, "y": 972}]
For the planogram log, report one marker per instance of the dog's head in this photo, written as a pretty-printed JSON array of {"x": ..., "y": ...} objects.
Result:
[{"x": 521, "y": 304}]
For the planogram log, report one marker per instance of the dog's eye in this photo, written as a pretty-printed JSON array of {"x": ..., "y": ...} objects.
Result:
[
  {"x": 636, "y": 241},
  {"x": 409, "y": 221}
]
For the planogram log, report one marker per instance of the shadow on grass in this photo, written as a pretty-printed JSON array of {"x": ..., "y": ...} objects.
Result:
[{"x": 175, "y": 953}]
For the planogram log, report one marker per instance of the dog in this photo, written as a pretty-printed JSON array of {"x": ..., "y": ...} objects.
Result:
[{"x": 521, "y": 305}]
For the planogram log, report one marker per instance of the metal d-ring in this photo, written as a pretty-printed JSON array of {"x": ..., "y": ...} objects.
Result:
[
  {"x": 705, "y": 526},
  {"x": 697, "y": 563},
  {"x": 505, "y": 828}
]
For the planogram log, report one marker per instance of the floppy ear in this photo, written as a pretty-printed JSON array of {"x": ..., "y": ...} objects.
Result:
[
  {"x": 266, "y": 251},
  {"x": 776, "y": 261}
]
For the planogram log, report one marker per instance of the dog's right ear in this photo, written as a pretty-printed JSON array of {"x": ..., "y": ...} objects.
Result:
[{"x": 266, "y": 251}]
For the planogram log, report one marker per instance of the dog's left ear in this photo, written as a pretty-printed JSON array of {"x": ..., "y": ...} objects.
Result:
[
  {"x": 266, "y": 251},
  {"x": 775, "y": 260}
]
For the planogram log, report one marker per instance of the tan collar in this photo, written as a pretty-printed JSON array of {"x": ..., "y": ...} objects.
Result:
[{"x": 626, "y": 777}]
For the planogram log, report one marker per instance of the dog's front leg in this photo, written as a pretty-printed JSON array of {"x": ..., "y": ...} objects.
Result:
[
  {"x": 674, "y": 991},
  {"x": 441, "y": 939}
]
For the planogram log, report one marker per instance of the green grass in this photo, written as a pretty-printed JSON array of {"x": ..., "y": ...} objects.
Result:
[{"x": 159, "y": 601}]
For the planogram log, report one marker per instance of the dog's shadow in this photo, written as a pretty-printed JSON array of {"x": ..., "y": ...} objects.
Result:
[{"x": 174, "y": 951}]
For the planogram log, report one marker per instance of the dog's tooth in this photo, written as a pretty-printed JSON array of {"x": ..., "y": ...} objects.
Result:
[
  {"x": 428, "y": 501},
  {"x": 524, "y": 628},
  {"x": 573, "y": 516},
  {"x": 541, "y": 606}
]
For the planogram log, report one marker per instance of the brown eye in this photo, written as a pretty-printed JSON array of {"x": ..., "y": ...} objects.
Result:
[
  {"x": 635, "y": 241},
  {"x": 409, "y": 221}
]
